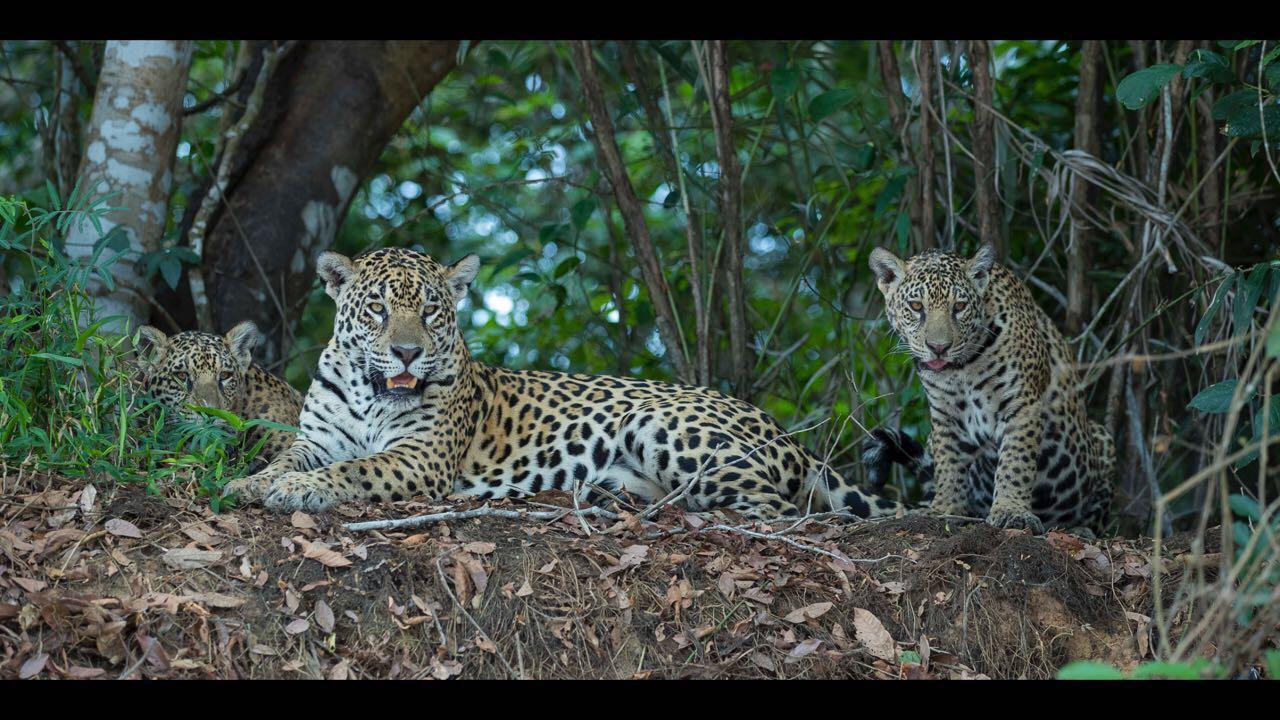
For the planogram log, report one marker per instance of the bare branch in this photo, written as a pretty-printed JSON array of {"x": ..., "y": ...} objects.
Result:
[{"x": 632, "y": 212}]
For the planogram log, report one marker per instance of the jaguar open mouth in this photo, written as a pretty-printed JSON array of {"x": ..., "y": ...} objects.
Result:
[
  {"x": 405, "y": 384},
  {"x": 936, "y": 364}
]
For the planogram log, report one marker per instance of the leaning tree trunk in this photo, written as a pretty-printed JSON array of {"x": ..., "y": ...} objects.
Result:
[
  {"x": 129, "y": 151},
  {"x": 326, "y": 111}
]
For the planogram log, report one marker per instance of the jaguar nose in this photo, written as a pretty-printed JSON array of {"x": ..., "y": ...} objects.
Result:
[
  {"x": 407, "y": 354},
  {"x": 939, "y": 348}
]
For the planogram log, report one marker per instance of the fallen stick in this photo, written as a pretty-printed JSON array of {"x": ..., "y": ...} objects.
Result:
[{"x": 486, "y": 511}]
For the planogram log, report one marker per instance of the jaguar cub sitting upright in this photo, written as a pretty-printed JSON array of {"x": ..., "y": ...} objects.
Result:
[
  {"x": 399, "y": 408},
  {"x": 199, "y": 368},
  {"x": 1010, "y": 437}
]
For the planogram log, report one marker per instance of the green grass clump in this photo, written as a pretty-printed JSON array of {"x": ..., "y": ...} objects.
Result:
[{"x": 69, "y": 401}]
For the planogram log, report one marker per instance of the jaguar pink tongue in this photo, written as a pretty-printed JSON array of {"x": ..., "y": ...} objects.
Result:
[
  {"x": 404, "y": 379},
  {"x": 936, "y": 364}
]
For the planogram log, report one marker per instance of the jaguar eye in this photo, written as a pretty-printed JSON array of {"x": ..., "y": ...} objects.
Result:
[
  {"x": 226, "y": 377},
  {"x": 430, "y": 310},
  {"x": 915, "y": 305},
  {"x": 377, "y": 308},
  {"x": 960, "y": 306}
]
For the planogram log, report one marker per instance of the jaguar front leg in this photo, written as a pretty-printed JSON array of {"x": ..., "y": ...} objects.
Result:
[
  {"x": 394, "y": 474},
  {"x": 951, "y": 492},
  {"x": 301, "y": 455},
  {"x": 1016, "y": 471}
]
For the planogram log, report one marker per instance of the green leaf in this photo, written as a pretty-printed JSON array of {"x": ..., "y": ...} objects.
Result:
[
  {"x": 1246, "y": 43},
  {"x": 1272, "y": 76},
  {"x": 77, "y": 362},
  {"x": 1247, "y": 298},
  {"x": 1216, "y": 398},
  {"x": 229, "y": 417},
  {"x": 784, "y": 81},
  {"x": 829, "y": 102},
  {"x": 1248, "y": 122},
  {"x": 512, "y": 258},
  {"x": 582, "y": 212},
  {"x": 1273, "y": 341},
  {"x": 909, "y": 656},
  {"x": 1273, "y": 664},
  {"x": 671, "y": 200},
  {"x": 171, "y": 270},
  {"x": 566, "y": 266},
  {"x": 1229, "y": 105},
  {"x": 1139, "y": 89},
  {"x": 1244, "y": 506},
  {"x": 1168, "y": 671},
  {"x": 1089, "y": 670},
  {"x": 1203, "y": 326},
  {"x": 1208, "y": 65}
]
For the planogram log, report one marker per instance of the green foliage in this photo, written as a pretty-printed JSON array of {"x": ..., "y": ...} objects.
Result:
[
  {"x": 68, "y": 398},
  {"x": 1142, "y": 87},
  {"x": 1246, "y": 111},
  {"x": 1200, "y": 669}
]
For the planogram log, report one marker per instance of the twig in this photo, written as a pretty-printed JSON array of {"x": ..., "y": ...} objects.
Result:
[
  {"x": 444, "y": 582},
  {"x": 485, "y": 511}
]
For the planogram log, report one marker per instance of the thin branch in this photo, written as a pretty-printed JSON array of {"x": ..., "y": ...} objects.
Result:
[{"x": 632, "y": 212}]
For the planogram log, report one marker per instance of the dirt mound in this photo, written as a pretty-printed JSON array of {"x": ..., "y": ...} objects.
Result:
[{"x": 125, "y": 584}]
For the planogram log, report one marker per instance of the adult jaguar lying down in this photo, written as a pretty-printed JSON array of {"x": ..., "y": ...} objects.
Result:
[
  {"x": 1010, "y": 438},
  {"x": 399, "y": 409}
]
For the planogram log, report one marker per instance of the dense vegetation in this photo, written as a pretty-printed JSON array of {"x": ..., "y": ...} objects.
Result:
[{"x": 1133, "y": 185}]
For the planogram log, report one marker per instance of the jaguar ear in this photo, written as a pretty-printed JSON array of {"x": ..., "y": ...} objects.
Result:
[
  {"x": 242, "y": 339},
  {"x": 462, "y": 273},
  {"x": 335, "y": 270},
  {"x": 888, "y": 269},
  {"x": 151, "y": 345},
  {"x": 980, "y": 266}
]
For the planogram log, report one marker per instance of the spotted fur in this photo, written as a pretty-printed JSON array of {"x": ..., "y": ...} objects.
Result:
[
  {"x": 198, "y": 368},
  {"x": 400, "y": 409},
  {"x": 1010, "y": 440}
]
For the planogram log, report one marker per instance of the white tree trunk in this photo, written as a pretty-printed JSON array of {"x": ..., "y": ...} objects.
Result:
[{"x": 129, "y": 151}]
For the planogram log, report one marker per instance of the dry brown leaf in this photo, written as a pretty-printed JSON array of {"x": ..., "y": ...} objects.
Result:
[
  {"x": 871, "y": 633},
  {"x": 525, "y": 590},
  {"x": 122, "y": 528},
  {"x": 321, "y": 553},
  {"x": 324, "y": 616},
  {"x": 79, "y": 672},
  {"x": 217, "y": 600},
  {"x": 190, "y": 558},
  {"x": 808, "y": 612},
  {"x": 804, "y": 648},
  {"x": 297, "y": 626},
  {"x": 33, "y": 666},
  {"x": 302, "y": 520},
  {"x": 480, "y": 548}
]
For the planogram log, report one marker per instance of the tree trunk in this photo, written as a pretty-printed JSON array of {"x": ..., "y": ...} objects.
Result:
[
  {"x": 896, "y": 100},
  {"x": 924, "y": 74},
  {"x": 984, "y": 145},
  {"x": 609, "y": 158},
  {"x": 730, "y": 217},
  {"x": 1086, "y": 139},
  {"x": 129, "y": 151},
  {"x": 328, "y": 110}
]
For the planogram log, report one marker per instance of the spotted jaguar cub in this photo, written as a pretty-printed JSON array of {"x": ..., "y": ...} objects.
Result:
[
  {"x": 198, "y": 368},
  {"x": 400, "y": 409},
  {"x": 1010, "y": 437}
]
